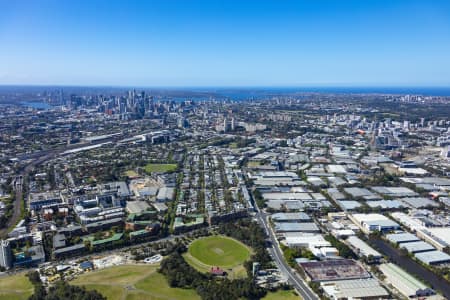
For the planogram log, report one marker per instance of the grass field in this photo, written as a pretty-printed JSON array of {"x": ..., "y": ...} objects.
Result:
[
  {"x": 131, "y": 174},
  {"x": 150, "y": 168},
  {"x": 282, "y": 295},
  {"x": 234, "y": 272},
  {"x": 132, "y": 282},
  {"x": 253, "y": 164},
  {"x": 156, "y": 285},
  {"x": 219, "y": 251},
  {"x": 16, "y": 287}
]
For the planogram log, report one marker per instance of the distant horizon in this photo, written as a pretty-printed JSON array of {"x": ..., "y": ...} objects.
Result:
[
  {"x": 241, "y": 91},
  {"x": 224, "y": 86}
]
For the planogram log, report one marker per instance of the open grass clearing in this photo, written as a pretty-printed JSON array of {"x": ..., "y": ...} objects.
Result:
[
  {"x": 116, "y": 275},
  {"x": 13, "y": 296},
  {"x": 111, "y": 292},
  {"x": 235, "y": 272},
  {"x": 150, "y": 168},
  {"x": 282, "y": 295},
  {"x": 253, "y": 164},
  {"x": 133, "y": 282},
  {"x": 131, "y": 174},
  {"x": 15, "y": 287},
  {"x": 156, "y": 285}
]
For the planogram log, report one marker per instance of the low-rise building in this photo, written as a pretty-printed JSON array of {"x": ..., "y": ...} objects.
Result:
[
  {"x": 374, "y": 222},
  {"x": 364, "y": 289},
  {"x": 37, "y": 200},
  {"x": 363, "y": 249},
  {"x": 433, "y": 257},
  {"x": 406, "y": 284},
  {"x": 296, "y": 227}
]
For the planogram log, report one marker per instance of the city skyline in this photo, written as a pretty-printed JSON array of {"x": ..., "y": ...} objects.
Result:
[{"x": 212, "y": 44}]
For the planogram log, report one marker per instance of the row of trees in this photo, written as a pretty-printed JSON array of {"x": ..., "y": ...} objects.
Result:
[
  {"x": 8, "y": 211},
  {"x": 251, "y": 234},
  {"x": 181, "y": 275},
  {"x": 343, "y": 249},
  {"x": 290, "y": 254}
]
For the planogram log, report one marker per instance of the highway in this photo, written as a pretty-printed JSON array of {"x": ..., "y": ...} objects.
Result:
[{"x": 301, "y": 287}]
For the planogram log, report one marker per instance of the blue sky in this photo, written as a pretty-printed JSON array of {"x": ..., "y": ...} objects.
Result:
[{"x": 225, "y": 43}]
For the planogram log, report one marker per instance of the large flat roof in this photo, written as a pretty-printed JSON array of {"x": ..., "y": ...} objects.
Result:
[
  {"x": 438, "y": 181},
  {"x": 348, "y": 204},
  {"x": 402, "y": 237},
  {"x": 402, "y": 281},
  {"x": 135, "y": 207},
  {"x": 385, "y": 204},
  {"x": 335, "y": 194},
  {"x": 287, "y": 196},
  {"x": 307, "y": 227},
  {"x": 418, "y": 202},
  {"x": 289, "y": 204},
  {"x": 295, "y": 216},
  {"x": 70, "y": 248},
  {"x": 370, "y": 217},
  {"x": 361, "y": 192},
  {"x": 394, "y": 191},
  {"x": 355, "y": 289},
  {"x": 277, "y": 174},
  {"x": 442, "y": 232},
  {"x": 418, "y": 246},
  {"x": 362, "y": 246},
  {"x": 433, "y": 257},
  {"x": 336, "y": 169},
  {"x": 310, "y": 239}
]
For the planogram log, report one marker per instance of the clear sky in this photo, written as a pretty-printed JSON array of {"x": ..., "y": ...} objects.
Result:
[{"x": 225, "y": 43}]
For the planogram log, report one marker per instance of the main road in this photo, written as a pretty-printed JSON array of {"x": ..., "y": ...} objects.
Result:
[{"x": 301, "y": 287}]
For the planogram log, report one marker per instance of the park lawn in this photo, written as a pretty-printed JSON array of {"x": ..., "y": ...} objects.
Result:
[
  {"x": 131, "y": 174},
  {"x": 235, "y": 272},
  {"x": 134, "y": 295},
  {"x": 282, "y": 295},
  {"x": 219, "y": 251},
  {"x": 156, "y": 285},
  {"x": 150, "y": 168},
  {"x": 132, "y": 282},
  {"x": 13, "y": 296},
  {"x": 253, "y": 164},
  {"x": 15, "y": 287},
  {"x": 195, "y": 263},
  {"x": 111, "y": 292},
  {"x": 233, "y": 145},
  {"x": 118, "y": 275}
]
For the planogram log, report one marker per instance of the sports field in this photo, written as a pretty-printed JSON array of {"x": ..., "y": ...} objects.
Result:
[
  {"x": 150, "y": 168},
  {"x": 219, "y": 251},
  {"x": 130, "y": 282},
  {"x": 16, "y": 287},
  {"x": 131, "y": 174}
]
